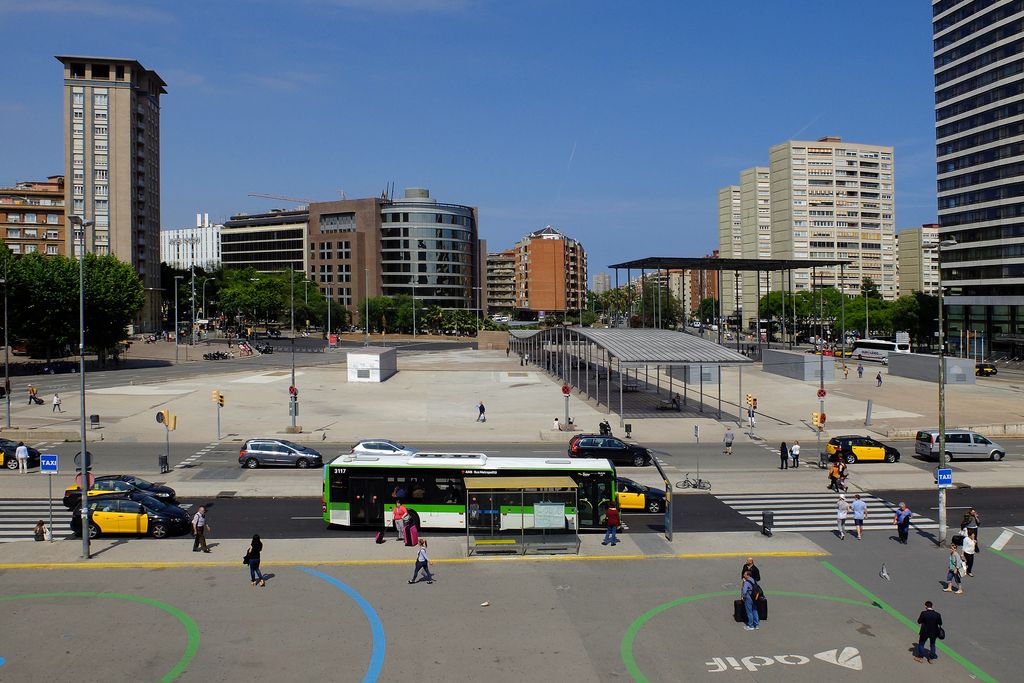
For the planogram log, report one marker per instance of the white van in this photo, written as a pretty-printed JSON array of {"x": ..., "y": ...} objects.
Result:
[{"x": 960, "y": 443}]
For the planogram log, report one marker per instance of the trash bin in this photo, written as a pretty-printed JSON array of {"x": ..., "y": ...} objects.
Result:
[
  {"x": 823, "y": 460},
  {"x": 94, "y": 421},
  {"x": 629, "y": 430},
  {"x": 162, "y": 462},
  {"x": 767, "y": 522}
]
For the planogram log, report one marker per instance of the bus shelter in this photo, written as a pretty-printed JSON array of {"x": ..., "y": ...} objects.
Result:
[{"x": 522, "y": 515}]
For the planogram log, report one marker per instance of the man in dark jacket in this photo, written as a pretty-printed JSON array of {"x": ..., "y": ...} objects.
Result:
[
  {"x": 755, "y": 573},
  {"x": 931, "y": 622}
]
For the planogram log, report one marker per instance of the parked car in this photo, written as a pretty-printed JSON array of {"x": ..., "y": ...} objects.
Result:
[
  {"x": 853, "y": 448},
  {"x": 60, "y": 366},
  {"x": 636, "y": 496},
  {"x": 262, "y": 452},
  {"x": 960, "y": 443},
  {"x": 8, "y": 459},
  {"x": 615, "y": 450},
  {"x": 161, "y": 492},
  {"x": 985, "y": 370},
  {"x": 101, "y": 486},
  {"x": 144, "y": 515},
  {"x": 382, "y": 447}
]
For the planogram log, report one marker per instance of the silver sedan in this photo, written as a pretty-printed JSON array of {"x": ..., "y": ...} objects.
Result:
[{"x": 382, "y": 447}]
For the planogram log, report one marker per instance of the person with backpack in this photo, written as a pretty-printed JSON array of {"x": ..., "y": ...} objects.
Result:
[
  {"x": 422, "y": 563},
  {"x": 954, "y": 572},
  {"x": 750, "y": 592}
]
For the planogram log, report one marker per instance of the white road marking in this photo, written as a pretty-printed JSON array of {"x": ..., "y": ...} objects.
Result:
[
  {"x": 320, "y": 517},
  {"x": 1003, "y": 539}
]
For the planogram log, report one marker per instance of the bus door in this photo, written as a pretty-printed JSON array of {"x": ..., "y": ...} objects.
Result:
[
  {"x": 594, "y": 495},
  {"x": 367, "y": 496}
]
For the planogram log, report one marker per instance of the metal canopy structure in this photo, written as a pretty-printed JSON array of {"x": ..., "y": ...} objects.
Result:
[
  {"x": 636, "y": 361},
  {"x": 708, "y": 263},
  {"x": 784, "y": 268}
]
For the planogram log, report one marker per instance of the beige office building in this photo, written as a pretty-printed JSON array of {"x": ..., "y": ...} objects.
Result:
[
  {"x": 112, "y": 164},
  {"x": 501, "y": 281},
  {"x": 917, "y": 259},
  {"x": 730, "y": 242},
  {"x": 834, "y": 200}
]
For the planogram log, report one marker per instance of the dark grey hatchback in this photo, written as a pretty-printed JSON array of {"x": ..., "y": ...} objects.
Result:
[
  {"x": 616, "y": 450},
  {"x": 262, "y": 452}
]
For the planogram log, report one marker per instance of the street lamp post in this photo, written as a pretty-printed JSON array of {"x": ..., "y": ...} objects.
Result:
[
  {"x": 477, "y": 289},
  {"x": 192, "y": 305},
  {"x": 84, "y": 457},
  {"x": 206, "y": 281},
  {"x": 293, "y": 395},
  {"x": 7, "y": 359},
  {"x": 942, "y": 394},
  {"x": 176, "y": 318},
  {"x": 366, "y": 314}
]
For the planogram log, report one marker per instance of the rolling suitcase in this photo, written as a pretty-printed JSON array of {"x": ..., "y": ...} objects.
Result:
[
  {"x": 412, "y": 535},
  {"x": 380, "y": 537},
  {"x": 762, "y": 608},
  {"x": 739, "y": 612}
]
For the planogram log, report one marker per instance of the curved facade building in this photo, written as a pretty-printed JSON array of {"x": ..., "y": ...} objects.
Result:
[
  {"x": 429, "y": 250},
  {"x": 381, "y": 246}
]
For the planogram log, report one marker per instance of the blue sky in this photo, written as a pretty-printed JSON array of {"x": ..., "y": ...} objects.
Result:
[{"x": 616, "y": 122}]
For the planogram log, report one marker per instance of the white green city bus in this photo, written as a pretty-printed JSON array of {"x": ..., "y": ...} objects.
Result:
[
  {"x": 877, "y": 349},
  {"x": 361, "y": 490}
]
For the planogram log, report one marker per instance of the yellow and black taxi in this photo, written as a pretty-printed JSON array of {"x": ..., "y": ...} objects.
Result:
[
  {"x": 118, "y": 483},
  {"x": 636, "y": 496},
  {"x": 853, "y": 448},
  {"x": 985, "y": 370},
  {"x": 138, "y": 514},
  {"x": 8, "y": 458}
]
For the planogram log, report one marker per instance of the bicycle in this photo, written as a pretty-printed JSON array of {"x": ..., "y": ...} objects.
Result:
[{"x": 698, "y": 483}]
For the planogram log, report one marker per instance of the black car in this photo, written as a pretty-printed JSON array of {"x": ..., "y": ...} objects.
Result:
[
  {"x": 118, "y": 483},
  {"x": 261, "y": 452},
  {"x": 636, "y": 496},
  {"x": 8, "y": 458},
  {"x": 136, "y": 514},
  {"x": 610, "y": 447},
  {"x": 161, "y": 492}
]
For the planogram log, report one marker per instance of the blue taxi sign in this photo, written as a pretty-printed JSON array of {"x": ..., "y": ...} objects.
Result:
[
  {"x": 944, "y": 477},
  {"x": 48, "y": 463}
]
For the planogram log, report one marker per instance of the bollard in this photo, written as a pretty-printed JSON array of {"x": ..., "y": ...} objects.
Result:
[
  {"x": 629, "y": 430},
  {"x": 767, "y": 522},
  {"x": 867, "y": 416}
]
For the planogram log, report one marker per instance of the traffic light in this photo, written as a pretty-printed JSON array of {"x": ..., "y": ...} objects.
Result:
[
  {"x": 818, "y": 420},
  {"x": 750, "y": 399},
  {"x": 165, "y": 417},
  {"x": 172, "y": 423},
  {"x": 218, "y": 398},
  {"x": 754, "y": 403}
]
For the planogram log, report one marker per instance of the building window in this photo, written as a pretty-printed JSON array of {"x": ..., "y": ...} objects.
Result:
[
  {"x": 13, "y": 232},
  {"x": 52, "y": 218},
  {"x": 78, "y": 145},
  {"x": 99, "y": 130},
  {"x": 102, "y": 221},
  {"x": 15, "y": 248},
  {"x": 100, "y": 190},
  {"x": 79, "y": 190},
  {"x": 78, "y": 206},
  {"x": 119, "y": 72},
  {"x": 78, "y": 99},
  {"x": 31, "y": 248},
  {"x": 52, "y": 235},
  {"x": 101, "y": 117},
  {"x": 101, "y": 206},
  {"x": 101, "y": 146},
  {"x": 78, "y": 115},
  {"x": 100, "y": 160},
  {"x": 101, "y": 72},
  {"x": 31, "y": 232},
  {"x": 99, "y": 100},
  {"x": 100, "y": 174},
  {"x": 51, "y": 249},
  {"x": 344, "y": 251},
  {"x": 77, "y": 70},
  {"x": 30, "y": 218}
]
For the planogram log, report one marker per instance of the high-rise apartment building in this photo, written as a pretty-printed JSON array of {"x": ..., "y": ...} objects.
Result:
[
  {"x": 112, "y": 164},
  {"x": 834, "y": 200},
  {"x": 501, "y": 280},
  {"x": 32, "y": 216},
  {"x": 979, "y": 78},
  {"x": 194, "y": 246},
  {"x": 756, "y": 228},
  {"x": 917, "y": 261},
  {"x": 602, "y": 283},
  {"x": 551, "y": 273},
  {"x": 730, "y": 240}
]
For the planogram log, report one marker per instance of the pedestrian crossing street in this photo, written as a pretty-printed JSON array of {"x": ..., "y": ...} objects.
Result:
[
  {"x": 18, "y": 517},
  {"x": 815, "y": 511}
]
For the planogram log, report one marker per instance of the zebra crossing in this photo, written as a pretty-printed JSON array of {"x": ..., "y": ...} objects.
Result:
[
  {"x": 815, "y": 511},
  {"x": 18, "y": 517}
]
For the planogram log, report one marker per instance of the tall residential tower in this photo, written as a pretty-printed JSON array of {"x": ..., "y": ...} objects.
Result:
[
  {"x": 979, "y": 134},
  {"x": 112, "y": 164}
]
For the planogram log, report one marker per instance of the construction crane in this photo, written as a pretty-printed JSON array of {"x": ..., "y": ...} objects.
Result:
[{"x": 297, "y": 200}]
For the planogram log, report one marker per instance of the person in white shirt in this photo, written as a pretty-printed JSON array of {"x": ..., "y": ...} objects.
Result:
[
  {"x": 21, "y": 454},
  {"x": 422, "y": 563},
  {"x": 970, "y": 547},
  {"x": 794, "y": 453},
  {"x": 842, "y": 510}
]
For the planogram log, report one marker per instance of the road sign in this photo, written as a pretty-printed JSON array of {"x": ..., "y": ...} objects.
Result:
[
  {"x": 945, "y": 478},
  {"x": 48, "y": 463},
  {"x": 566, "y": 389},
  {"x": 821, "y": 393},
  {"x": 88, "y": 459}
]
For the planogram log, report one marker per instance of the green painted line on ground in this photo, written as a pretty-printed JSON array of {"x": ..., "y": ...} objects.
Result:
[
  {"x": 191, "y": 629},
  {"x": 971, "y": 667},
  {"x": 1006, "y": 556},
  {"x": 626, "y": 647}
]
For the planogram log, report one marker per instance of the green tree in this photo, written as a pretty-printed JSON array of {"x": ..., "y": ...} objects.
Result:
[
  {"x": 113, "y": 297},
  {"x": 707, "y": 310}
]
